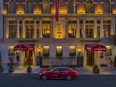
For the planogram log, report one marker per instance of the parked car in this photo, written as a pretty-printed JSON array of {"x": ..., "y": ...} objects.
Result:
[{"x": 58, "y": 73}]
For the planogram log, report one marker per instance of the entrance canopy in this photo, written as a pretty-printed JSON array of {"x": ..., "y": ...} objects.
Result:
[
  {"x": 24, "y": 47},
  {"x": 95, "y": 47}
]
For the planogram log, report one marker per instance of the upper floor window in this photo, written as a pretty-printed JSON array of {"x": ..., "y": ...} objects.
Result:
[
  {"x": 29, "y": 7},
  {"x": 46, "y": 6},
  {"x": 71, "y": 29},
  {"x": 12, "y": 6},
  {"x": 46, "y": 27}
]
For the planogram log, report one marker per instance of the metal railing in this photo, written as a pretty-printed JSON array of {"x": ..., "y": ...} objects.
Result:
[{"x": 59, "y": 61}]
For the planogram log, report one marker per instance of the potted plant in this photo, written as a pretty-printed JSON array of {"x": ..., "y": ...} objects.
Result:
[
  {"x": 29, "y": 69},
  {"x": 96, "y": 69},
  {"x": 1, "y": 68},
  {"x": 11, "y": 69},
  {"x": 115, "y": 61}
]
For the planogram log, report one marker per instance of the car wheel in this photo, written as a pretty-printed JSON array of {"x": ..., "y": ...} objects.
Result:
[
  {"x": 68, "y": 78},
  {"x": 44, "y": 77}
]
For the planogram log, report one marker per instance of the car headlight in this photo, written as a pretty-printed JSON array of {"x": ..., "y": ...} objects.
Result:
[{"x": 40, "y": 73}]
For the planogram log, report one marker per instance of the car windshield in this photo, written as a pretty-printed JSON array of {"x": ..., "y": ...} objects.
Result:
[{"x": 54, "y": 69}]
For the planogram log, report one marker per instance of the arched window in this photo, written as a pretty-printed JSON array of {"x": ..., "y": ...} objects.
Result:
[
  {"x": 29, "y": 6},
  {"x": 12, "y": 7}
]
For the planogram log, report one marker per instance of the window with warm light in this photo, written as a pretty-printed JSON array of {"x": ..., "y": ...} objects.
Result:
[
  {"x": 20, "y": 9},
  {"x": 71, "y": 29},
  {"x": 37, "y": 9},
  {"x": 99, "y": 8},
  {"x": 108, "y": 51},
  {"x": 29, "y": 28},
  {"x": 11, "y": 50},
  {"x": 59, "y": 32},
  {"x": 72, "y": 50},
  {"x": 106, "y": 28},
  {"x": 12, "y": 29},
  {"x": 59, "y": 51},
  {"x": 46, "y": 51},
  {"x": 81, "y": 8},
  {"x": 89, "y": 31},
  {"x": 46, "y": 29}
]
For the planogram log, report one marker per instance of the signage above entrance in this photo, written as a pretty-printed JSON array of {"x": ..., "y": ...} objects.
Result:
[
  {"x": 24, "y": 47},
  {"x": 95, "y": 47}
]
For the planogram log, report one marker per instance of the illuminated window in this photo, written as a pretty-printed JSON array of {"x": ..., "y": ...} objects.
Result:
[
  {"x": 59, "y": 51},
  {"x": 99, "y": 8},
  {"x": 46, "y": 26},
  {"x": 72, "y": 50},
  {"x": 46, "y": 51},
  {"x": 29, "y": 27},
  {"x": 12, "y": 29},
  {"x": 11, "y": 50},
  {"x": 71, "y": 29},
  {"x": 108, "y": 51},
  {"x": 106, "y": 28}
]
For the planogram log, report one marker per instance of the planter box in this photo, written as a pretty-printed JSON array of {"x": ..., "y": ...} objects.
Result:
[
  {"x": 96, "y": 70},
  {"x": 114, "y": 63}
]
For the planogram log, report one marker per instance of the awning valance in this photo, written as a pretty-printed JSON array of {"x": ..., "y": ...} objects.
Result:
[
  {"x": 24, "y": 47},
  {"x": 95, "y": 47}
]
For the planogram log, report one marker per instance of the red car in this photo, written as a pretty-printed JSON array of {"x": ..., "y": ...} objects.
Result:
[{"x": 58, "y": 73}]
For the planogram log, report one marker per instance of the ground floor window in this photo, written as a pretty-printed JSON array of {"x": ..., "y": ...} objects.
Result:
[
  {"x": 59, "y": 51},
  {"x": 108, "y": 51},
  {"x": 46, "y": 51},
  {"x": 72, "y": 51}
]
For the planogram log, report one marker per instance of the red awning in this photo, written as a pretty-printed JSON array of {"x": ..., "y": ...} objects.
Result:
[
  {"x": 24, "y": 47},
  {"x": 95, "y": 47}
]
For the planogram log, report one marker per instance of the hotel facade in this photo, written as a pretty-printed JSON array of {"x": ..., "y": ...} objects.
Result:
[{"x": 80, "y": 37}]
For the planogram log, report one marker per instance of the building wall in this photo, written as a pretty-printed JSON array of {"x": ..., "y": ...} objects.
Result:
[{"x": 1, "y": 19}]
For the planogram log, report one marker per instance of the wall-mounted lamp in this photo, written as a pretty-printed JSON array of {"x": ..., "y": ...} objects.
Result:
[
  {"x": 79, "y": 52},
  {"x": 39, "y": 50}
]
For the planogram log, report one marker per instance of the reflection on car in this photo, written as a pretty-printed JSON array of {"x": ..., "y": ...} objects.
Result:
[{"x": 58, "y": 73}]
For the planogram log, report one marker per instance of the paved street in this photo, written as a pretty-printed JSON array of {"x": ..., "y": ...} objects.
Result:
[{"x": 29, "y": 80}]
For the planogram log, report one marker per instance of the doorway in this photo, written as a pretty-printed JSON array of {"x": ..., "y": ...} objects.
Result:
[
  {"x": 28, "y": 57},
  {"x": 80, "y": 61},
  {"x": 90, "y": 58}
]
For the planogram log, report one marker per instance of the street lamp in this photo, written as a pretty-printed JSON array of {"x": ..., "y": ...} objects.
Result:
[{"x": 40, "y": 58}]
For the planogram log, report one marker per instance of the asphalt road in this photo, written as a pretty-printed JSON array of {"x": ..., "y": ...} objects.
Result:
[{"x": 19, "y": 80}]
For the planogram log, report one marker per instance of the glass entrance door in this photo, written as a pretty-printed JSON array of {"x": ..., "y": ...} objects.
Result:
[
  {"x": 29, "y": 57},
  {"x": 90, "y": 58}
]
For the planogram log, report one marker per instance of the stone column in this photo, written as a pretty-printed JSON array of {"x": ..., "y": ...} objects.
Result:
[
  {"x": 17, "y": 28},
  {"x": 78, "y": 29},
  {"x": 66, "y": 28},
  {"x": 84, "y": 36},
  {"x": 23, "y": 31},
  {"x": 7, "y": 29},
  {"x": 40, "y": 29},
  {"x": 101, "y": 28},
  {"x": 35, "y": 30},
  {"x": 113, "y": 24},
  {"x": 95, "y": 29},
  {"x": 54, "y": 28},
  {"x": 51, "y": 30}
]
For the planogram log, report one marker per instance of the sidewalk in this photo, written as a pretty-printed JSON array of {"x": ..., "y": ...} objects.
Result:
[
  {"x": 81, "y": 70},
  {"x": 108, "y": 70}
]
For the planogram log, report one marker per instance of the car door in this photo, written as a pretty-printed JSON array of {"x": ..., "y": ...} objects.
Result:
[
  {"x": 53, "y": 74},
  {"x": 62, "y": 73}
]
